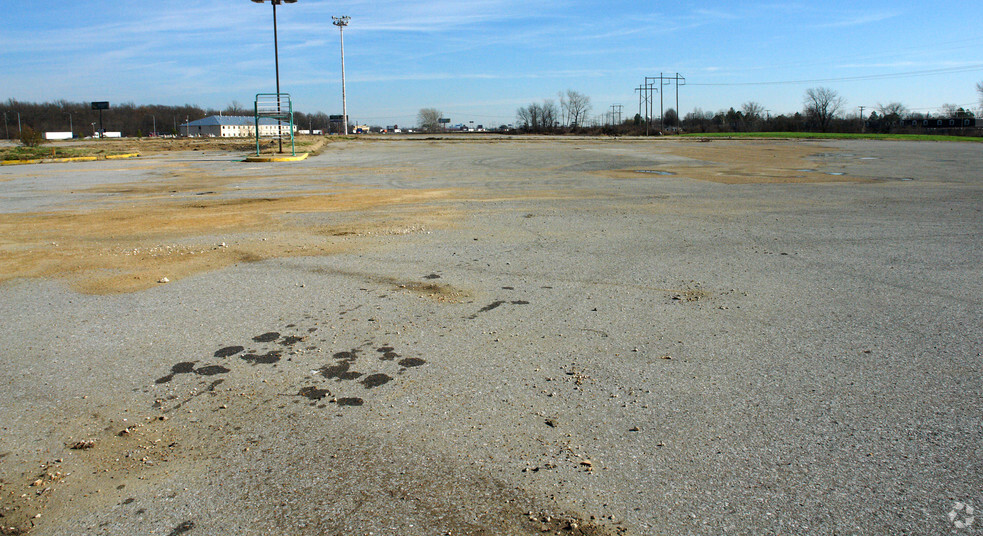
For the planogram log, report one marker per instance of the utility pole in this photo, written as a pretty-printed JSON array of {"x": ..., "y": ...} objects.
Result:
[
  {"x": 648, "y": 88},
  {"x": 863, "y": 123},
  {"x": 616, "y": 112},
  {"x": 662, "y": 110},
  {"x": 678, "y": 115},
  {"x": 5, "y": 127},
  {"x": 341, "y": 22}
]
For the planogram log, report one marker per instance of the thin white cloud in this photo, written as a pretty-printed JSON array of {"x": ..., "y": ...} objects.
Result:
[{"x": 860, "y": 19}]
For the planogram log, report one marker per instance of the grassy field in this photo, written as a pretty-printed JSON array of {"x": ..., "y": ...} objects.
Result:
[{"x": 835, "y": 136}]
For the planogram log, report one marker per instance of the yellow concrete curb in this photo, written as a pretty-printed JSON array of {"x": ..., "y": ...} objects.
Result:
[
  {"x": 276, "y": 158},
  {"x": 69, "y": 159}
]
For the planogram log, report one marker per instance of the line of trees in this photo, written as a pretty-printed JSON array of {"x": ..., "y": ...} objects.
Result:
[
  {"x": 130, "y": 119},
  {"x": 823, "y": 111},
  {"x": 571, "y": 114}
]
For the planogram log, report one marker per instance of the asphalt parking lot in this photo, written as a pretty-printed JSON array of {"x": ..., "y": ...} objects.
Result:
[{"x": 496, "y": 336}]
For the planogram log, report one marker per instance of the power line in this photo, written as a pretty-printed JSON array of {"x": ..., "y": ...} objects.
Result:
[{"x": 927, "y": 72}]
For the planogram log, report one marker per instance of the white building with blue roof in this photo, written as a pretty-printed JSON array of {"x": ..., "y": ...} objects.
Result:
[{"x": 233, "y": 126}]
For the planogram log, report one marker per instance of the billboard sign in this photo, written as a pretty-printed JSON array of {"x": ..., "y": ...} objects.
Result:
[{"x": 100, "y": 105}]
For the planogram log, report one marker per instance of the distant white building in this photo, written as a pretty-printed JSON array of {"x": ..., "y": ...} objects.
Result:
[{"x": 232, "y": 126}]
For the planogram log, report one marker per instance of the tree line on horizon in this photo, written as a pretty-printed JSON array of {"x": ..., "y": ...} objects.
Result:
[
  {"x": 130, "y": 119},
  {"x": 823, "y": 111}
]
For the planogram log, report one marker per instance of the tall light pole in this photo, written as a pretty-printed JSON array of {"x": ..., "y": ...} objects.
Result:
[
  {"x": 341, "y": 22},
  {"x": 276, "y": 60}
]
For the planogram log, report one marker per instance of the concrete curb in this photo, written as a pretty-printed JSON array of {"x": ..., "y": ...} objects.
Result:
[
  {"x": 277, "y": 158},
  {"x": 68, "y": 159}
]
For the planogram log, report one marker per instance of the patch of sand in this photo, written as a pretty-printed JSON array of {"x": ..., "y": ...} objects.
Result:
[
  {"x": 133, "y": 247},
  {"x": 747, "y": 162}
]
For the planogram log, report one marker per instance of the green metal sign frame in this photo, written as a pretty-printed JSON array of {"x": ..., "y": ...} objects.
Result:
[{"x": 276, "y": 106}]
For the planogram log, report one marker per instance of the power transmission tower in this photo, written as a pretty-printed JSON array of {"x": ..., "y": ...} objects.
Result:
[
  {"x": 645, "y": 96},
  {"x": 616, "y": 112}
]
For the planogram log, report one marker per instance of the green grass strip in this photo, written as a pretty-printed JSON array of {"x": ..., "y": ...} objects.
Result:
[{"x": 833, "y": 136}]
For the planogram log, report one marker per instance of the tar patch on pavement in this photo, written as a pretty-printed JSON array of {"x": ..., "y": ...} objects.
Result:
[
  {"x": 182, "y": 528},
  {"x": 495, "y": 305},
  {"x": 188, "y": 367},
  {"x": 361, "y": 367}
]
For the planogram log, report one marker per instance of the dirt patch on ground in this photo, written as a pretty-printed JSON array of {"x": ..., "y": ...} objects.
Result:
[
  {"x": 164, "y": 145},
  {"x": 136, "y": 246},
  {"x": 746, "y": 162}
]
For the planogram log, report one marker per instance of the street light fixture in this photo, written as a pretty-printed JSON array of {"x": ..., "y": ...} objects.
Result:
[
  {"x": 276, "y": 59},
  {"x": 341, "y": 22}
]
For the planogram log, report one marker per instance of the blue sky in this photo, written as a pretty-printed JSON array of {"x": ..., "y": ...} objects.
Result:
[{"x": 480, "y": 60}]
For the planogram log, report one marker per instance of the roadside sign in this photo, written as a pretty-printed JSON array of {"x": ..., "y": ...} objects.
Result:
[{"x": 100, "y": 105}]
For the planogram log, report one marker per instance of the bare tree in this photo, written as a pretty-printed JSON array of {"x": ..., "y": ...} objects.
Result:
[
  {"x": 428, "y": 119},
  {"x": 752, "y": 113},
  {"x": 979, "y": 91},
  {"x": 550, "y": 118},
  {"x": 564, "y": 114},
  {"x": 528, "y": 117},
  {"x": 952, "y": 110},
  {"x": 892, "y": 110},
  {"x": 949, "y": 110},
  {"x": 236, "y": 108},
  {"x": 822, "y": 104},
  {"x": 575, "y": 106}
]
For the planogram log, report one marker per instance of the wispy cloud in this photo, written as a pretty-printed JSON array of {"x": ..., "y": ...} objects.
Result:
[{"x": 860, "y": 19}]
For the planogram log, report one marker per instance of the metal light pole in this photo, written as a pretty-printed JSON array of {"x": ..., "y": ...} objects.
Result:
[
  {"x": 70, "y": 127},
  {"x": 341, "y": 22},
  {"x": 276, "y": 60}
]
